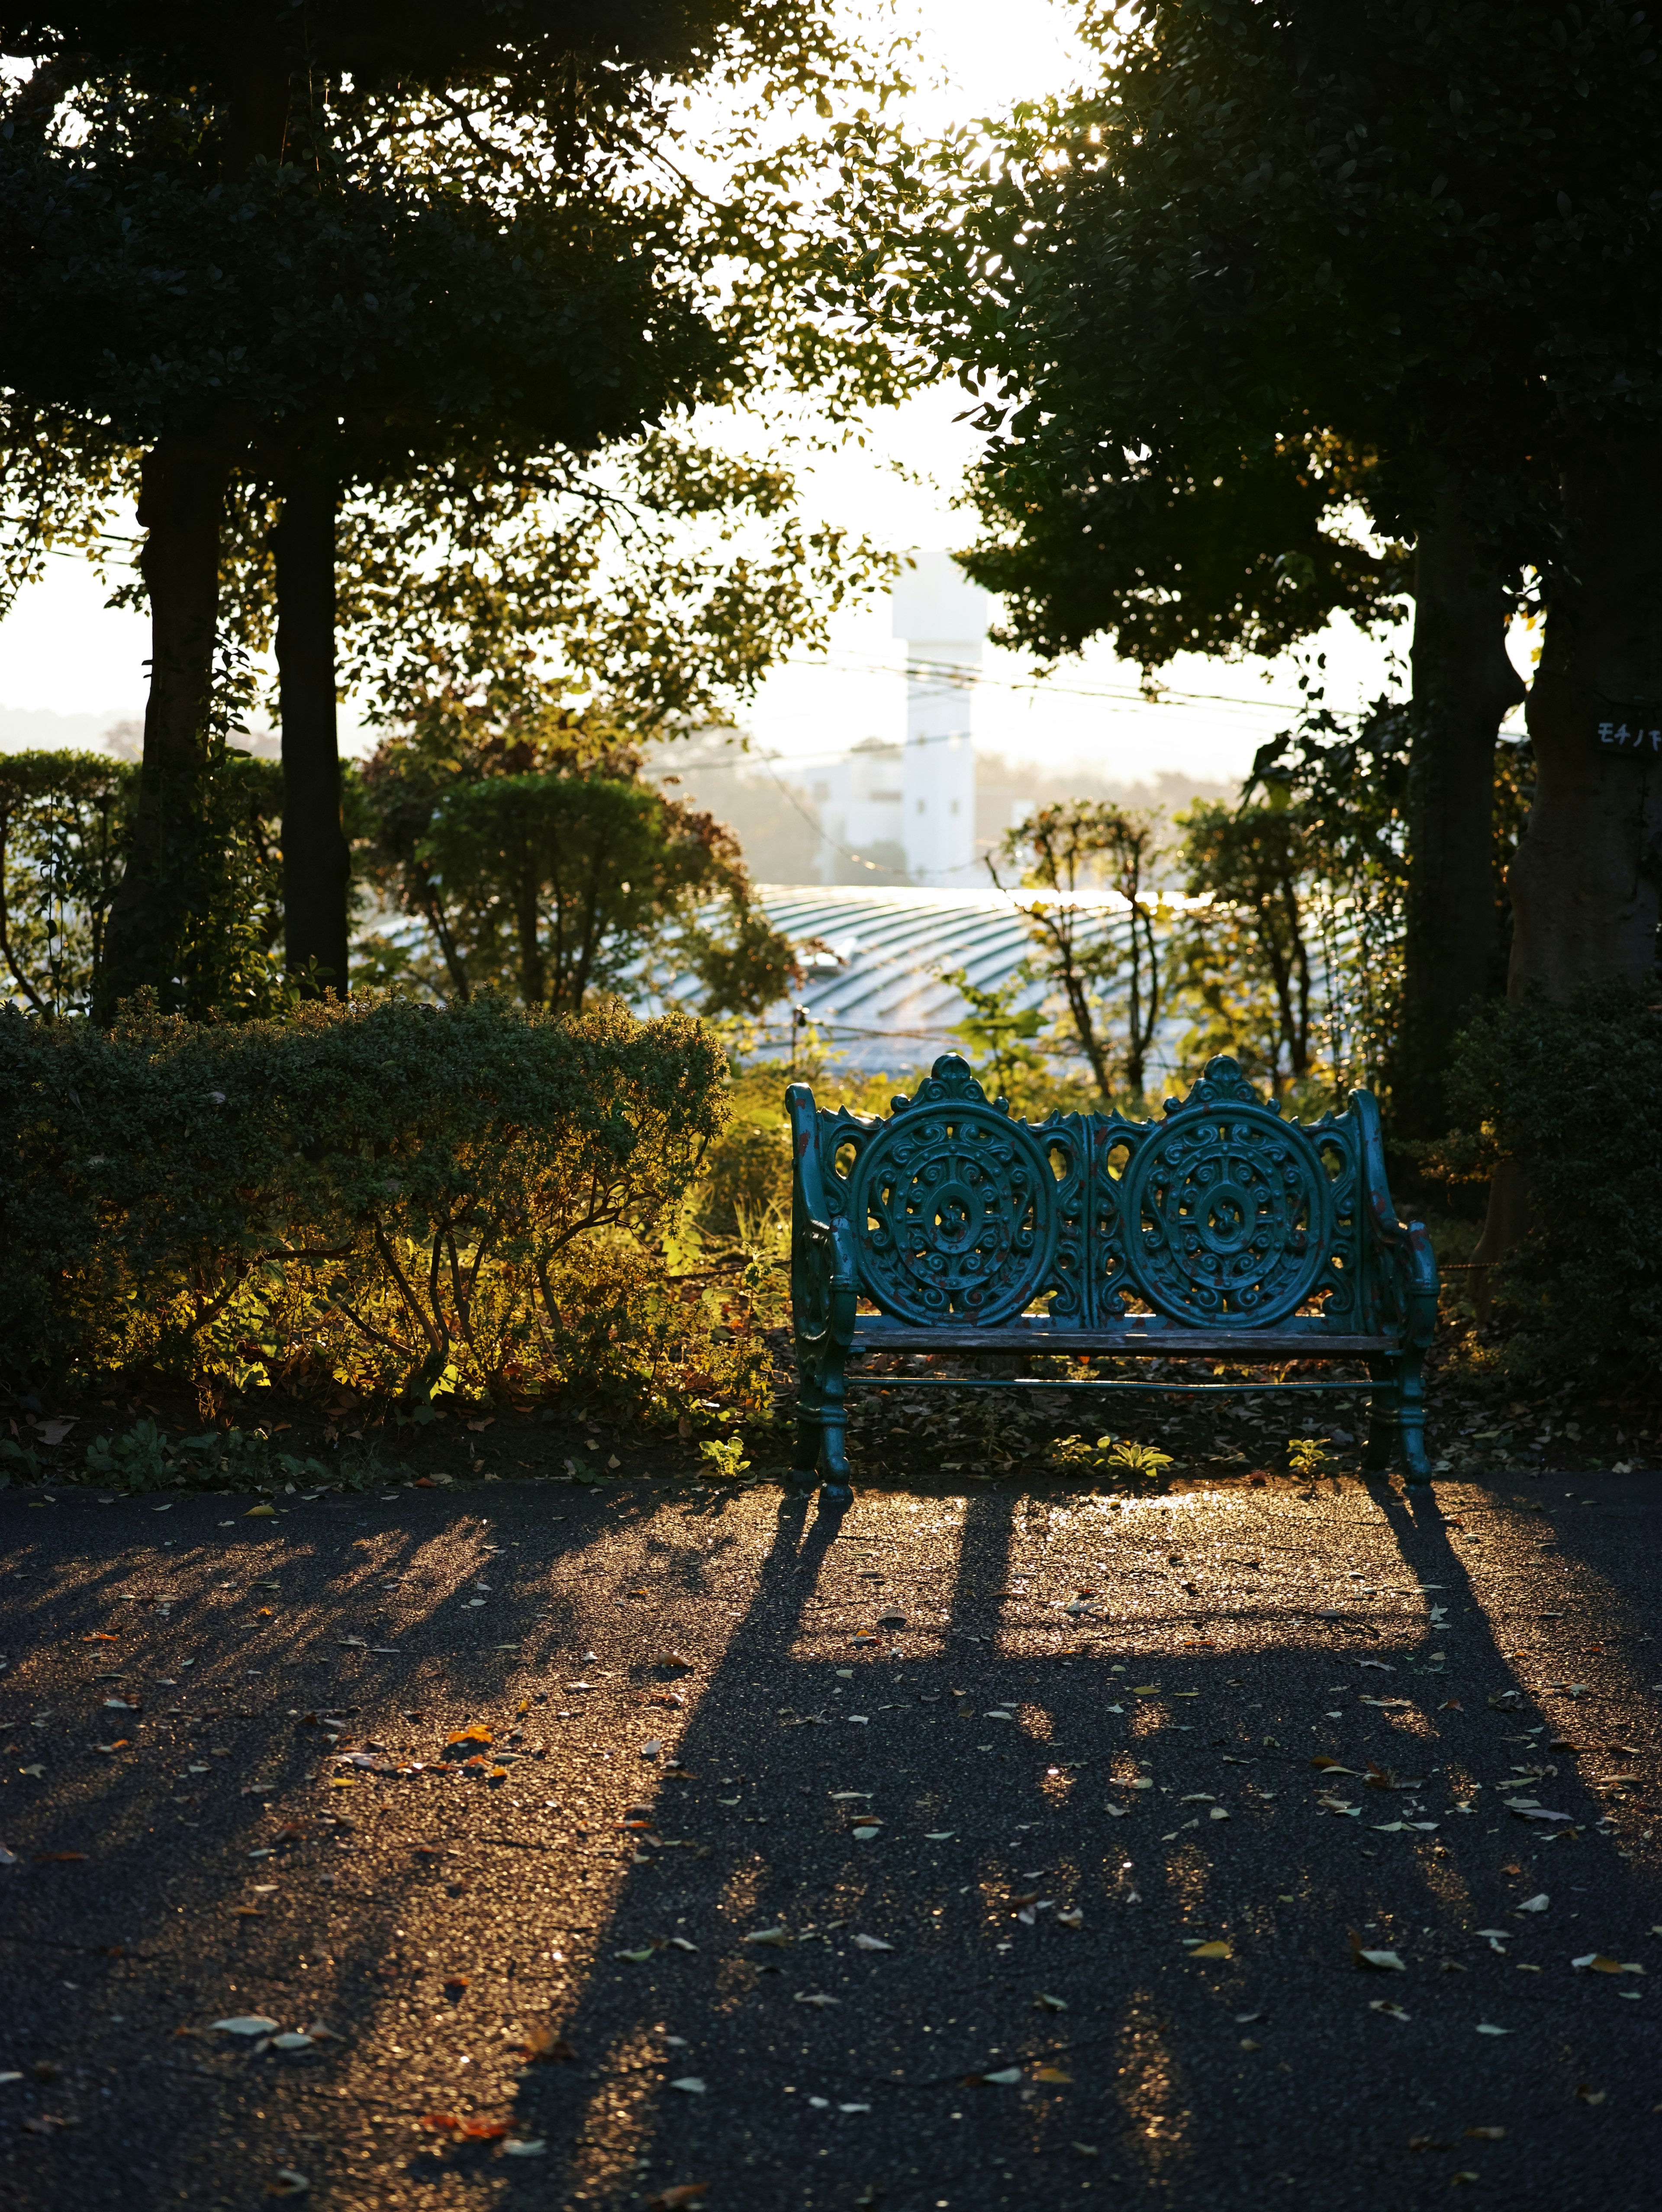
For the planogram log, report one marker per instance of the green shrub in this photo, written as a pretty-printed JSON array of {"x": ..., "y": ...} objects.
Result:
[
  {"x": 65, "y": 822},
  {"x": 1573, "y": 1095},
  {"x": 746, "y": 1180},
  {"x": 382, "y": 1195}
]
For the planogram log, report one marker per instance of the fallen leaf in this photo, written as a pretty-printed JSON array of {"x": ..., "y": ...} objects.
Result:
[
  {"x": 1537, "y": 1904},
  {"x": 59, "y": 1858},
  {"x": 287, "y": 2183},
  {"x": 1487, "y": 2134},
  {"x": 1331, "y": 1766},
  {"x": 776, "y": 1935},
  {"x": 1006, "y": 2078},
  {"x": 1599, "y": 1962},
  {"x": 1381, "y": 1961},
  {"x": 293, "y": 2041},
  {"x": 1044, "y": 2002},
  {"x": 547, "y": 2044},
  {"x": 1589, "y": 2096},
  {"x": 261, "y": 1513},
  {"x": 246, "y": 2023},
  {"x": 1051, "y": 2074},
  {"x": 674, "y": 2200},
  {"x": 1484, "y": 2027},
  {"x": 870, "y": 1943},
  {"x": 1214, "y": 1950},
  {"x": 637, "y": 1958},
  {"x": 690, "y": 2084},
  {"x": 816, "y": 1998},
  {"x": 515, "y": 2149},
  {"x": 1384, "y": 2005},
  {"x": 1074, "y": 1918}
]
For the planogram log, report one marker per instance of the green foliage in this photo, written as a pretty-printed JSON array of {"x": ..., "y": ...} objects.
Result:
[
  {"x": 387, "y": 1196},
  {"x": 143, "y": 1458},
  {"x": 744, "y": 1189},
  {"x": 1006, "y": 1034},
  {"x": 1069, "y": 854},
  {"x": 545, "y": 867},
  {"x": 725, "y": 1458},
  {"x": 1571, "y": 1093},
  {"x": 1284, "y": 262},
  {"x": 65, "y": 823},
  {"x": 744, "y": 969},
  {"x": 1307, "y": 1456},
  {"x": 1248, "y": 968},
  {"x": 1111, "y": 1455},
  {"x": 663, "y": 579}
]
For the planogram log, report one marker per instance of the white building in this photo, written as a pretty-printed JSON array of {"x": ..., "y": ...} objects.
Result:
[
  {"x": 942, "y": 618},
  {"x": 907, "y": 810}
]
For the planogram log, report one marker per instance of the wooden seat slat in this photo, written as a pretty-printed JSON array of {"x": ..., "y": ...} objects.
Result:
[{"x": 1246, "y": 1347}]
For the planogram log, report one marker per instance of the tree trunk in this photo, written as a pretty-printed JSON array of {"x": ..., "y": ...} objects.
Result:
[
  {"x": 1584, "y": 883},
  {"x": 1464, "y": 684},
  {"x": 1586, "y": 880},
  {"x": 181, "y": 507},
  {"x": 316, "y": 863}
]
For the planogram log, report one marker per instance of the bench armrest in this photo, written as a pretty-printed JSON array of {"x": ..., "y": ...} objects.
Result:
[
  {"x": 1405, "y": 1245},
  {"x": 823, "y": 1275}
]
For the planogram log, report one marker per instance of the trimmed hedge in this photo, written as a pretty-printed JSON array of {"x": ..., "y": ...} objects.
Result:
[
  {"x": 1573, "y": 1094},
  {"x": 382, "y": 1194}
]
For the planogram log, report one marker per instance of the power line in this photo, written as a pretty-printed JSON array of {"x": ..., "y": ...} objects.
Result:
[{"x": 967, "y": 677}]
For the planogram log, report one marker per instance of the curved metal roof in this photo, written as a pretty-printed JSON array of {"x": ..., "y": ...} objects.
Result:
[{"x": 875, "y": 992}]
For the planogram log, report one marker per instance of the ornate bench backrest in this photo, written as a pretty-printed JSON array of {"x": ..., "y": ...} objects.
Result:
[{"x": 1222, "y": 1215}]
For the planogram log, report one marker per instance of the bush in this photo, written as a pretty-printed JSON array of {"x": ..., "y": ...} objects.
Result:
[
  {"x": 65, "y": 824},
  {"x": 381, "y": 1195},
  {"x": 746, "y": 1182},
  {"x": 1573, "y": 1095}
]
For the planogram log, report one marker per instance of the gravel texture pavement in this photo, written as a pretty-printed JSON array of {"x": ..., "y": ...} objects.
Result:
[{"x": 542, "y": 1847}]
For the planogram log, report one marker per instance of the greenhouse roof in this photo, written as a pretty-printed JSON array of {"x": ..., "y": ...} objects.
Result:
[{"x": 874, "y": 988}]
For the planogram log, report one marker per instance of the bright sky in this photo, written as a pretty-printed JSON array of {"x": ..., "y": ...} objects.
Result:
[{"x": 62, "y": 651}]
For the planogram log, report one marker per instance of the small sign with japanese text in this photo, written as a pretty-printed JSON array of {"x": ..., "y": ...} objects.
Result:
[{"x": 1630, "y": 730}]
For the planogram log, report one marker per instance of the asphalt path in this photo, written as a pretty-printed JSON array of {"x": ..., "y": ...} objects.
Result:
[{"x": 741, "y": 1894}]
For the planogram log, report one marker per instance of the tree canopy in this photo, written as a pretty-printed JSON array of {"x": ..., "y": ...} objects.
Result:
[
  {"x": 1287, "y": 275},
  {"x": 441, "y": 261}
]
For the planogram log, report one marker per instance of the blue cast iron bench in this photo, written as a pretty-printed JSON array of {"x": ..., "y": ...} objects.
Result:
[{"x": 1222, "y": 1233}]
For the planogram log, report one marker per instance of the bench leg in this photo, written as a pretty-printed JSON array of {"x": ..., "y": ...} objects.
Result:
[
  {"x": 835, "y": 1487},
  {"x": 1411, "y": 1418},
  {"x": 805, "y": 1460},
  {"x": 1382, "y": 1431}
]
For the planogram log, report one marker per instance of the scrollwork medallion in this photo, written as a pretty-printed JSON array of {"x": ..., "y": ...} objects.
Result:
[{"x": 1230, "y": 1215}]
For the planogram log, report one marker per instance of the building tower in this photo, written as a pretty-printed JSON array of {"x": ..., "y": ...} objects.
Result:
[{"x": 942, "y": 618}]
